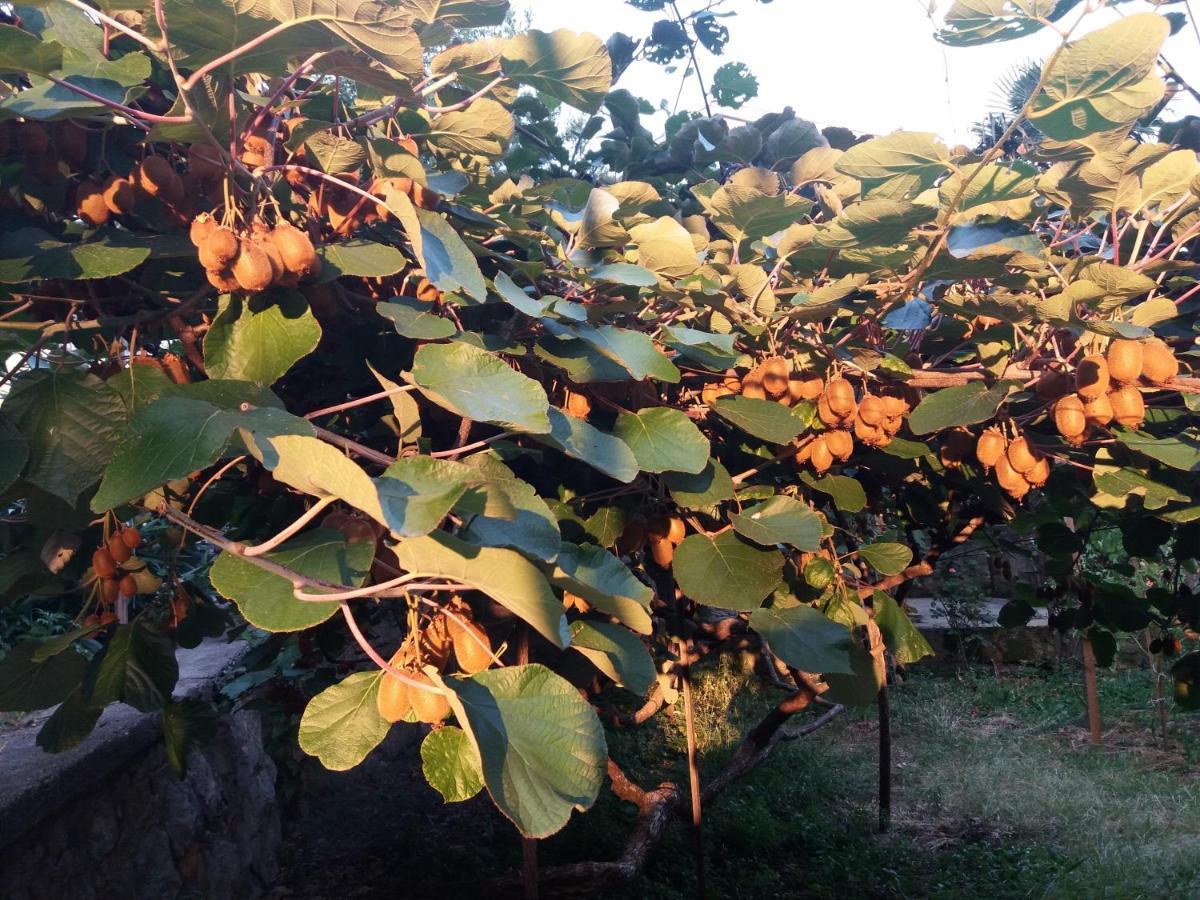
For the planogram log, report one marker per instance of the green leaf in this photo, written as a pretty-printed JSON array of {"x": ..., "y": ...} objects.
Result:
[
  {"x": 969, "y": 22},
  {"x": 137, "y": 667},
  {"x": 417, "y": 492},
  {"x": 632, "y": 350},
  {"x": 415, "y": 319},
  {"x": 451, "y": 764},
  {"x": 139, "y": 386},
  {"x": 616, "y": 652},
  {"x": 70, "y": 724},
  {"x": 734, "y": 85},
  {"x": 504, "y": 575},
  {"x": 334, "y": 154},
  {"x": 175, "y": 436},
  {"x": 748, "y": 214},
  {"x": 763, "y": 419},
  {"x": 805, "y": 639},
  {"x": 702, "y": 490},
  {"x": 187, "y": 725},
  {"x": 1179, "y": 452},
  {"x": 265, "y": 599},
  {"x": 361, "y": 258},
  {"x": 663, "y": 440},
  {"x": 903, "y": 163},
  {"x": 848, "y": 495},
  {"x": 586, "y": 443},
  {"x": 605, "y": 582},
  {"x": 726, "y": 571},
  {"x": 310, "y": 465},
  {"x": 342, "y": 724},
  {"x": 447, "y": 261},
  {"x": 1103, "y": 81},
  {"x": 664, "y": 246},
  {"x": 574, "y": 68},
  {"x": 966, "y": 404},
  {"x": 27, "y": 685},
  {"x": 259, "y": 339},
  {"x": 624, "y": 273},
  {"x": 780, "y": 520},
  {"x": 885, "y": 557},
  {"x": 14, "y": 452},
  {"x": 477, "y": 385},
  {"x": 71, "y": 423},
  {"x": 713, "y": 351},
  {"x": 22, "y": 52},
  {"x": 28, "y": 254},
  {"x": 482, "y": 129},
  {"x": 528, "y": 524},
  {"x": 906, "y": 644},
  {"x": 541, "y": 744}
]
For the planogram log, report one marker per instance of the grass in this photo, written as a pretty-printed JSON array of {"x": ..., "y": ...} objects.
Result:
[{"x": 997, "y": 793}]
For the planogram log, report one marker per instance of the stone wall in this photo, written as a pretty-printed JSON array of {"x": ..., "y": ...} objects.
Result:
[{"x": 110, "y": 818}]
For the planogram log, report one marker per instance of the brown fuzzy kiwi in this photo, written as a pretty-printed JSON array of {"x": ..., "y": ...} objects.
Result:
[
  {"x": 118, "y": 550},
  {"x": 156, "y": 177},
  {"x": 176, "y": 368},
  {"x": 1040, "y": 473},
  {"x": 1021, "y": 456},
  {"x": 839, "y": 394},
  {"x": 127, "y": 586},
  {"x": 775, "y": 376},
  {"x": 956, "y": 447},
  {"x": 805, "y": 387},
  {"x": 821, "y": 457},
  {"x": 89, "y": 202},
  {"x": 1098, "y": 411},
  {"x": 472, "y": 647},
  {"x": 1091, "y": 377},
  {"x": 871, "y": 410},
  {"x": 676, "y": 530},
  {"x": 895, "y": 405},
  {"x": 110, "y": 590},
  {"x": 657, "y": 527},
  {"x": 892, "y": 425},
  {"x": 871, "y": 435},
  {"x": 252, "y": 267},
  {"x": 577, "y": 405},
  {"x": 632, "y": 539},
  {"x": 393, "y": 700},
  {"x": 1069, "y": 417},
  {"x": 990, "y": 448},
  {"x": 1053, "y": 383},
  {"x": 131, "y": 538},
  {"x": 1010, "y": 479},
  {"x": 219, "y": 249},
  {"x": 202, "y": 226},
  {"x": 803, "y": 454},
  {"x": 711, "y": 393},
  {"x": 732, "y": 381},
  {"x": 71, "y": 142},
  {"x": 296, "y": 250},
  {"x": 256, "y": 149},
  {"x": 119, "y": 195},
  {"x": 1124, "y": 361},
  {"x": 575, "y": 602},
  {"x": 205, "y": 162},
  {"x": 827, "y": 415},
  {"x": 662, "y": 552},
  {"x": 753, "y": 389},
  {"x": 278, "y": 270},
  {"x": 1159, "y": 364},
  {"x": 103, "y": 563},
  {"x": 222, "y": 279},
  {"x": 429, "y": 707},
  {"x": 840, "y": 443},
  {"x": 32, "y": 139},
  {"x": 1128, "y": 406}
]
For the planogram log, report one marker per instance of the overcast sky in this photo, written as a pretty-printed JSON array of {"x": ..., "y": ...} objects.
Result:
[{"x": 869, "y": 65}]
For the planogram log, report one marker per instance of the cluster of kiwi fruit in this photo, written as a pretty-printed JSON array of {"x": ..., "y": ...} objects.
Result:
[
  {"x": 660, "y": 533},
  {"x": 254, "y": 258},
  {"x": 1019, "y": 465},
  {"x": 154, "y": 178},
  {"x": 1107, "y": 387},
  {"x": 771, "y": 379},
  {"x": 874, "y": 420},
  {"x": 43, "y": 147},
  {"x": 451, "y": 631},
  {"x": 112, "y": 580}
]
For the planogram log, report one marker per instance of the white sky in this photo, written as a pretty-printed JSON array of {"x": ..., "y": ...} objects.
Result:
[{"x": 869, "y": 65}]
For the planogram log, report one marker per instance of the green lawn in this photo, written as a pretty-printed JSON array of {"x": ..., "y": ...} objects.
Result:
[{"x": 997, "y": 794}]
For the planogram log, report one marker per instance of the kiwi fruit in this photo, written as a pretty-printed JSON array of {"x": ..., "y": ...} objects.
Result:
[
  {"x": 1128, "y": 406},
  {"x": 118, "y": 550},
  {"x": 205, "y": 162},
  {"x": 131, "y": 538},
  {"x": 632, "y": 539},
  {"x": 892, "y": 425},
  {"x": 1159, "y": 364},
  {"x": 296, "y": 251},
  {"x": 128, "y": 586},
  {"x": 1053, "y": 383},
  {"x": 429, "y": 707},
  {"x": 222, "y": 279},
  {"x": 1091, "y": 377},
  {"x": 871, "y": 410},
  {"x": 775, "y": 376},
  {"x": 202, "y": 226},
  {"x": 894, "y": 405},
  {"x": 657, "y": 528},
  {"x": 1021, "y": 456},
  {"x": 1039, "y": 473},
  {"x": 662, "y": 552},
  {"x": 32, "y": 139},
  {"x": 1124, "y": 361},
  {"x": 1098, "y": 411},
  {"x": 840, "y": 443},
  {"x": 805, "y": 387},
  {"x": 1069, "y": 417},
  {"x": 752, "y": 385},
  {"x": 156, "y": 177},
  {"x": 821, "y": 457},
  {"x": 676, "y": 530},
  {"x": 472, "y": 647},
  {"x": 103, "y": 563},
  {"x": 575, "y": 602},
  {"x": 110, "y": 590},
  {"x": 871, "y": 435},
  {"x": 577, "y": 405},
  {"x": 955, "y": 448},
  {"x": 119, "y": 195},
  {"x": 1010, "y": 479},
  {"x": 839, "y": 394},
  {"x": 393, "y": 699},
  {"x": 90, "y": 205},
  {"x": 252, "y": 268},
  {"x": 711, "y": 393},
  {"x": 256, "y": 149},
  {"x": 219, "y": 249},
  {"x": 989, "y": 450},
  {"x": 278, "y": 271},
  {"x": 71, "y": 142}
]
